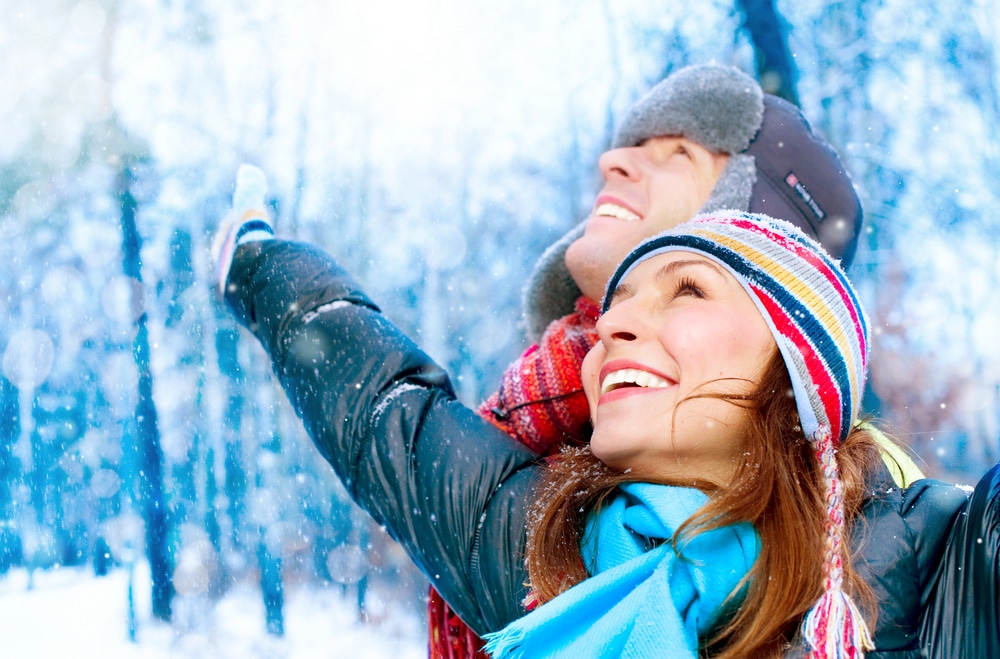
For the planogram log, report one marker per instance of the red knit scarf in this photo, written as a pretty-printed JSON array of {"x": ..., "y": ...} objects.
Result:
[{"x": 541, "y": 404}]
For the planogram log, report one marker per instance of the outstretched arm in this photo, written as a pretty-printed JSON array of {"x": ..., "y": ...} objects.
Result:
[{"x": 447, "y": 485}]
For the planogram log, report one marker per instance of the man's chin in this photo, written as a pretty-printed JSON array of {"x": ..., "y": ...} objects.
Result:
[{"x": 590, "y": 263}]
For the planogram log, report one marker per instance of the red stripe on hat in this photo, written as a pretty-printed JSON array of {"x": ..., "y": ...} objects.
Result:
[
  {"x": 809, "y": 256},
  {"x": 818, "y": 371}
]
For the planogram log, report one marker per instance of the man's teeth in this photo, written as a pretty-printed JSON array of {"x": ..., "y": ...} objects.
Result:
[
  {"x": 633, "y": 376},
  {"x": 614, "y": 210}
]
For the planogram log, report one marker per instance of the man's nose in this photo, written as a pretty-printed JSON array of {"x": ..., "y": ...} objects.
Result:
[{"x": 619, "y": 163}]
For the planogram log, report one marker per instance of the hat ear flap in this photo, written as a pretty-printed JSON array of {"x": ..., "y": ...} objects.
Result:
[
  {"x": 550, "y": 292},
  {"x": 801, "y": 179}
]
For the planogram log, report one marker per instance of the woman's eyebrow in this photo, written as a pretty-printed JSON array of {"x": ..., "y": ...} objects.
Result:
[
  {"x": 622, "y": 290},
  {"x": 671, "y": 268},
  {"x": 667, "y": 271}
]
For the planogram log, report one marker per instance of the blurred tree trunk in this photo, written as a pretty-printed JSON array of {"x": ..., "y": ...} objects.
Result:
[
  {"x": 271, "y": 586},
  {"x": 234, "y": 478},
  {"x": 775, "y": 68},
  {"x": 148, "y": 437},
  {"x": 10, "y": 430},
  {"x": 267, "y": 488}
]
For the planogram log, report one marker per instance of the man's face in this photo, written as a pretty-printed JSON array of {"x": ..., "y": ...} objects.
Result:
[{"x": 647, "y": 189}]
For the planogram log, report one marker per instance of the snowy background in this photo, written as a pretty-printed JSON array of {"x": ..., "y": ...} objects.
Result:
[
  {"x": 70, "y": 613},
  {"x": 436, "y": 147}
]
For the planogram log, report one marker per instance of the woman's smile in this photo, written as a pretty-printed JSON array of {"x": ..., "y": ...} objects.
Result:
[{"x": 624, "y": 378}]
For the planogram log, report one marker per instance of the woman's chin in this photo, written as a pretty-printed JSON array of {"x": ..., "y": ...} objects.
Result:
[{"x": 614, "y": 460}]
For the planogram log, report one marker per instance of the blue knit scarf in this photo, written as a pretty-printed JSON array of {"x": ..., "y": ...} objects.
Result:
[{"x": 641, "y": 600}]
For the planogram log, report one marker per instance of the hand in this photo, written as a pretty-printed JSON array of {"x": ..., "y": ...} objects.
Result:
[{"x": 247, "y": 220}]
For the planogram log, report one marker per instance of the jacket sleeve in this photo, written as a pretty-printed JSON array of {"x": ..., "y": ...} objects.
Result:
[
  {"x": 447, "y": 485},
  {"x": 962, "y": 617},
  {"x": 899, "y": 540}
]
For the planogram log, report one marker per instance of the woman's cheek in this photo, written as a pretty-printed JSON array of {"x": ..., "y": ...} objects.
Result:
[{"x": 590, "y": 375}]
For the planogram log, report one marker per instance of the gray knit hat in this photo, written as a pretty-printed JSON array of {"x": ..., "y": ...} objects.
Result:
[{"x": 778, "y": 166}]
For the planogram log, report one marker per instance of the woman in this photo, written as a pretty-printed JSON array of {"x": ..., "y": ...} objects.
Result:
[
  {"x": 711, "y": 516},
  {"x": 705, "y": 334}
]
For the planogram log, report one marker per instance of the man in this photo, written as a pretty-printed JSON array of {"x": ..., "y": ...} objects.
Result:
[{"x": 705, "y": 138}]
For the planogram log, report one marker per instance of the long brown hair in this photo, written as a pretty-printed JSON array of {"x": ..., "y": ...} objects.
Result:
[{"x": 777, "y": 487}]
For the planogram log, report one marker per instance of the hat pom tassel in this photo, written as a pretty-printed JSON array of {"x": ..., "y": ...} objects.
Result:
[{"x": 834, "y": 628}]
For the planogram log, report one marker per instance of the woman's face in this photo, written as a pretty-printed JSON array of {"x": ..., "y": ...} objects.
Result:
[{"x": 679, "y": 325}]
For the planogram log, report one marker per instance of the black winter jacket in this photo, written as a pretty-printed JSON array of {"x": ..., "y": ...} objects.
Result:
[{"x": 451, "y": 488}]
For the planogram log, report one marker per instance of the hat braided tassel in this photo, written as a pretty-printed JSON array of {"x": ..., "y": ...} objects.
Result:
[{"x": 834, "y": 627}]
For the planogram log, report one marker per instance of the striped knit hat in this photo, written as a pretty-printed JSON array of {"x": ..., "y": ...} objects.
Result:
[{"x": 822, "y": 334}]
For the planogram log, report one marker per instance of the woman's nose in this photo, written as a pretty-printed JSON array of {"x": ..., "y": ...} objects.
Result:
[{"x": 618, "y": 324}]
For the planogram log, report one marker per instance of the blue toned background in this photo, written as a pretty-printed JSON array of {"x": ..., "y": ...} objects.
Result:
[{"x": 436, "y": 147}]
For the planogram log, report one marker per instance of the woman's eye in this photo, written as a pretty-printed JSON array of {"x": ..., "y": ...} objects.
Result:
[{"x": 688, "y": 286}]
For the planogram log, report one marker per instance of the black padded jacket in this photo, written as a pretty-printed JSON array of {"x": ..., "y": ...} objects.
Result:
[{"x": 451, "y": 488}]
